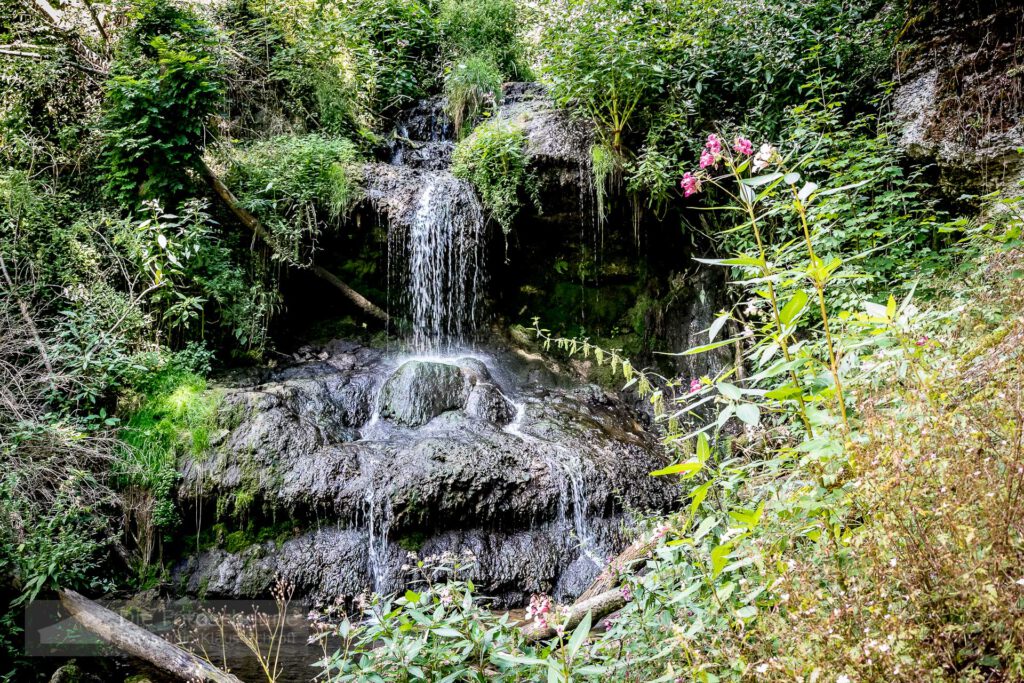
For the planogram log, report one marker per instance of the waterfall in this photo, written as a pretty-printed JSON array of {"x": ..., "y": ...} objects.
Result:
[
  {"x": 378, "y": 518},
  {"x": 566, "y": 470},
  {"x": 445, "y": 263}
]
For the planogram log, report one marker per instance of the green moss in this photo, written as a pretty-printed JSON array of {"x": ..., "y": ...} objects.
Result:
[
  {"x": 494, "y": 160},
  {"x": 412, "y": 542}
]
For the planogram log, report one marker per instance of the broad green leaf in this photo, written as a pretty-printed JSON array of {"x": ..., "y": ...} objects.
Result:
[
  {"x": 717, "y": 326},
  {"x": 703, "y": 448},
  {"x": 705, "y": 527},
  {"x": 579, "y": 635},
  {"x": 806, "y": 191},
  {"x": 698, "y": 495},
  {"x": 730, "y": 391},
  {"x": 746, "y": 612},
  {"x": 412, "y": 596},
  {"x": 748, "y": 413},
  {"x": 791, "y": 178},
  {"x": 793, "y": 308},
  {"x": 758, "y": 181},
  {"x": 719, "y": 558},
  {"x": 678, "y": 468}
]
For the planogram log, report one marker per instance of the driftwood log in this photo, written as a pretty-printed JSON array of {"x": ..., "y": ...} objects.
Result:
[
  {"x": 250, "y": 221},
  {"x": 602, "y": 597},
  {"x": 134, "y": 640}
]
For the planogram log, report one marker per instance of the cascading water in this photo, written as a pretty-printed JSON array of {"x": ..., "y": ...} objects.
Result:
[
  {"x": 445, "y": 263},
  {"x": 566, "y": 470}
]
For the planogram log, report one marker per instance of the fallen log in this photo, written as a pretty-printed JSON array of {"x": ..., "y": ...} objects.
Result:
[
  {"x": 601, "y": 598},
  {"x": 114, "y": 629},
  {"x": 625, "y": 560},
  {"x": 250, "y": 221},
  {"x": 570, "y": 617}
]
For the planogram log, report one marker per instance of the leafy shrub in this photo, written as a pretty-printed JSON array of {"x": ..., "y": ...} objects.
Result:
[
  {"x": 296, "y": 185},
  {"x": 174, "y": 418},
  {"x": 438, "y": 632},
  {"x": 652, "y": 74},
  {"x": 487, "y": 29},
  {"x": 166, "y": 85},
  {"x": 471, "y": 85},
  {"x": 494, "y": 160}
]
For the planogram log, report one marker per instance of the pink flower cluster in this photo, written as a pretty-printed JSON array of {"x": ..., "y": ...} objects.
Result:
[
  {"x": 713, "y": 153},
  {"x": 539, "y": 608},
  {"x": 695, "y": 385}
]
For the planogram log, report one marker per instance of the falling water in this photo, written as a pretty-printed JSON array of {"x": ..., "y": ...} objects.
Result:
[
  {"x": 378, "y": 522},
  {"x": 567, "y": 471},
  {"x": 445, "y": 263}
]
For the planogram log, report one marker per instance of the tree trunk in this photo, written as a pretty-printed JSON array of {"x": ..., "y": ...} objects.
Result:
[
  {"x": 597, "y": 606},
  {"x": 138, "y": 642},
  {"x": 253, "y": 223},
  {"x": 602, "y": 597}
]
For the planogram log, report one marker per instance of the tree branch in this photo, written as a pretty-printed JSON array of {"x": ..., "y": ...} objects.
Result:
[
  {"x": 253, "y": 223},
  {"x": 70, "y": 62}
]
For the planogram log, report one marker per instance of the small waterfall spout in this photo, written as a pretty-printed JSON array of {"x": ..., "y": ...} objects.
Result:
[{"x": 445, "y": 263}]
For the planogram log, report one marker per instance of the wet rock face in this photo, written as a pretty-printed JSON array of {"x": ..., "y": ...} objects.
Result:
[
  {"x": 960, "y": 100},
  {"x": 419, "y": 391},
  {"x": 371, "y": 454}
]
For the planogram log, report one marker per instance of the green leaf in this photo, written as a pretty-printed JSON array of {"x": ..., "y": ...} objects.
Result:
[
  {"x": 412, "y": 596},
  {"x": 717, "y": 326},
  {"x": 703, "y": 448},
  {"x": 706, "y": 347},
  {"x": 749, "y": 413},
  {"x": 806, "y": 191},
  {"x": 793, "y": 308},
  {"x": 746, "y": 612},
  {"x": 719, "y": 558},
  {"x": 678, "y": 468},
  {"x": 730, "y": 391},
  {"x": 697, "y": 497},
  {"x": 758, "y": 181},
  {"x": 578, "y": 636}
]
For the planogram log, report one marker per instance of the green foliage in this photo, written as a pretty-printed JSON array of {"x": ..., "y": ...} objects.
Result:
[
  {"x": 297, "y": 185},
  {"x": 174, "y": 418},
  {"x": 164, "y": 88},
  {"x": 494, "y": 160},
  {"x": 439, "y": 631},
  {"x": 652, "y": 74},
  {"x": 489, "y": 30},
  {"x": 471, "y": 85},
  {"x": 348, "y": 64}
]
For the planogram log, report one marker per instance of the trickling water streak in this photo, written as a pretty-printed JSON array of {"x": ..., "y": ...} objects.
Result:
[
  {"x": 445, "y": 274},
  {"x": 378, "y": 518},
  {"x": 567, "y": 471}
]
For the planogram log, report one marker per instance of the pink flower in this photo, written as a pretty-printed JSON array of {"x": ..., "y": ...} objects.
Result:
[
  {"x": 627, "y": 595},
  {"x": 662, "y": 531},
  {"x": 539, "y": 606},
  {"x": 743, "y": 145},
  {"x": 707, "y": 159},
  {"x": 922, "y": 341},
  {"x": 695, "y": 385},
  {"x": 714, "y": 145},
  {"x": 690, "y": 184}
]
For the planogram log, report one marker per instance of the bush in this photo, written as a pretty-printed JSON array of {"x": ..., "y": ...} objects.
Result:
[
  {"x": 166, "y": 85},
  {"x": 297, "y": 185},
  {"x": 494, "y": 160},
  {"x": 471, "y": 85},
  {"x": 487, "y": 29},
  {"x": 174, "y": 418}
]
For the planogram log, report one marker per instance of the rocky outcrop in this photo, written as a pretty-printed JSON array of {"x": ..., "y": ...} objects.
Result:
[
  {"x": 371, "y": 454},
  {"x": 960, "y": 95}
]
